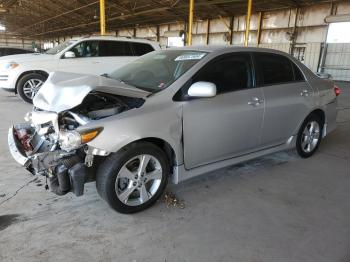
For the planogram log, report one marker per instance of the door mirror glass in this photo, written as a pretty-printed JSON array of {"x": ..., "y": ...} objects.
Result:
[
  {"x": 324, "y": 75},
  {"x": 69, "y": 54},
  {"x": 202, "y": 89}
]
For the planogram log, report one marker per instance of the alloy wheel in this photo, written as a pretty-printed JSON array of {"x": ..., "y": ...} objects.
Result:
[
  {"x": 310, "y": 136},
  {"x": 138, "y": 180},
  {"x": 31, "y": 87}
]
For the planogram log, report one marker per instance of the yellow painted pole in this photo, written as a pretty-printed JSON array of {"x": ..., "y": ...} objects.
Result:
[
  {"x": 249, "y": 14},
  {"x": 190, "y": 22},
  {"x": 102, "y": 17}
]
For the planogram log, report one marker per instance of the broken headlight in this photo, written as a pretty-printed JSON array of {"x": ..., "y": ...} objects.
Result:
[{"x": 70, "y": 140}]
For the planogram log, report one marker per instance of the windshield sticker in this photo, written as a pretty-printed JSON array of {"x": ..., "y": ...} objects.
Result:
[{"x": 191, "y": 56}]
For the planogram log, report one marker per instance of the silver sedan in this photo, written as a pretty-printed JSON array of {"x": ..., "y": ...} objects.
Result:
[{"x": 171, "y": 115}]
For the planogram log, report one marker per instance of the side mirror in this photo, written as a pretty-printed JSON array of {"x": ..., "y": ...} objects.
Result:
[
  {"x": 324, "y": 75},
  {"x": 69, "y": 54},
  {"x": 202, "y": 89}
]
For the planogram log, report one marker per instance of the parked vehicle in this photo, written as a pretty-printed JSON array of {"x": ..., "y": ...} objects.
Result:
[
  {"x": 4, "y": 51},
  {"x": 171, "y": 114},
  {"x": 25, "y": 74}
]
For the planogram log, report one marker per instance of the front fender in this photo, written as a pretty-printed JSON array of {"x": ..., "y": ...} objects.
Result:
[{"x": 156, "y": 121}]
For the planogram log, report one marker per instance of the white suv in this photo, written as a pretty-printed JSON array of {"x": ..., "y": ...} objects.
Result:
[{"x": 24, "y": 74}]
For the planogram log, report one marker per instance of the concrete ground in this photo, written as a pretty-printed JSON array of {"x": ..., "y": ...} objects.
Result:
[{"x": 276, "y": 208}]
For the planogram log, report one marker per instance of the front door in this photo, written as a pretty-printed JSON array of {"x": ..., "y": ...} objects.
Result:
[
  {"x": 228, "y": 124},
  {"x": 86, "y": 60}
]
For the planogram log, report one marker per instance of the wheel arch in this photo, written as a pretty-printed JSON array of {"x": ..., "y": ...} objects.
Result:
[
  {"x": 320, "y": 113},
  {"x": 162, "y": 144},
  {"x": 42, "y": 72}
]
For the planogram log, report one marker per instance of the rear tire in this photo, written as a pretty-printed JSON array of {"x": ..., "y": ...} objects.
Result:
[
  {"x": 309, "y": 136},
  {"x": 29, "y": 85},
  {"x": 132, "y": 179}
]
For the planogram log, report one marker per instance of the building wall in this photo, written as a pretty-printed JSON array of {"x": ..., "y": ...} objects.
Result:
[
  {"x": 11, "y": 41},
  {"x": 285, "y": 30},
  {"x": 277, "y": 29}
]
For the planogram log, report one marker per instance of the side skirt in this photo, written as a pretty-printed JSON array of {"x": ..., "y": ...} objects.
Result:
[{"x": 181, "y": 174}]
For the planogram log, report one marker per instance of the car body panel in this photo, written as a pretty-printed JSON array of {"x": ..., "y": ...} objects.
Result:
[
  {"x": 63, "y": 91},
  {"x": 280, "y": 101},
  {"x": 227, "y": 123}
]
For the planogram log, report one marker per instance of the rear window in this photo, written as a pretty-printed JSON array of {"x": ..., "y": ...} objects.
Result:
[
  {"x": 141, "y": 48},
  {"x": 115, "y": 48},
  {"x": 273, "y": 69}
]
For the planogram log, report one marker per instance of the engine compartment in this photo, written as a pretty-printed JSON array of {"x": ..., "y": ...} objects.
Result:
[
  {"x": 41, "y": 140},
  {"x": 95, "y": 106}
]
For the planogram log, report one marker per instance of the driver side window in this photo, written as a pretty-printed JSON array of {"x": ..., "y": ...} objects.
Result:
[
  {"x": 86, "y": 49},
  {"x": 229, "y": 72}
]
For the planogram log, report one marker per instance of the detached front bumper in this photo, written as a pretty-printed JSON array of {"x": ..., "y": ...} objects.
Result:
[{"x": 16, "y": 149}]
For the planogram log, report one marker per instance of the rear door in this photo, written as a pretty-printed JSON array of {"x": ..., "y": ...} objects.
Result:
[
  {"x": 115, "y": 54},
  {"x": 86, "y": 60},
  {"x": 287, "y": 96},
  {"x": 228, "y": 124}
]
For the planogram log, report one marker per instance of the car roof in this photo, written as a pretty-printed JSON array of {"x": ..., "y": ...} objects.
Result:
[
  {"x": 222, "y": 48},
  {"x": 116, "y": 38}
]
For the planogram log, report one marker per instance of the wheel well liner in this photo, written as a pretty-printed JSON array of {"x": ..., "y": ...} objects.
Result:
[
  {"x": 42, "y": 72},
  {"x": 162, "y": 144},
  {"x": 320, "y": 113}
]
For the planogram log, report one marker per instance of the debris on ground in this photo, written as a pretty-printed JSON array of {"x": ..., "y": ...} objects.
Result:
[{"x": 171, "y": 200}]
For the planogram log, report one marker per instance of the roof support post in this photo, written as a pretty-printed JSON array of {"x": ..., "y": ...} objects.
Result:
[
  {"x": 102, "y": 17},
  {"x": 190, "y": 22},
  {"x": 249, "y": 14}
]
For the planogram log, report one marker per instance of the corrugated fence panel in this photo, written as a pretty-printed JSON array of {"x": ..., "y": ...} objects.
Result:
[{"x": 338, "y": 61}]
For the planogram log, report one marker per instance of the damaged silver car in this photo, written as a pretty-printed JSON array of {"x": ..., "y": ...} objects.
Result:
[{"x": 171, "y": 115}]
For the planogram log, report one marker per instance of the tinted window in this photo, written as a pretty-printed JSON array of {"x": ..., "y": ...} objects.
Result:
[
  {"x": 298, "y": 75},
  {"x": 115, "y": 48},
  {"x": 229, "y": 73},
  {"x": 86, "y": 49},
  {"x": 141, "y": 49},
  {"x": 273, "y": 69}
]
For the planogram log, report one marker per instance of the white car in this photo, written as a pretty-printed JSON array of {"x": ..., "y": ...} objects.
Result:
[{"x": 24, "y": 74}]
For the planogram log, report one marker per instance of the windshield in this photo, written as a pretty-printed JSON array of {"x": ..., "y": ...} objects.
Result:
[
  {"x": 60, "y": 47},
  {"x": 157, "y": 70}
]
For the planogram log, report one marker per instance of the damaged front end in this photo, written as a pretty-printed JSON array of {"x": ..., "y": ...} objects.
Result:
[{"x": 55, "y": 140}]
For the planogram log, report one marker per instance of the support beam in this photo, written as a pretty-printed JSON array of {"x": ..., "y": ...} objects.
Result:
[
  {"x": 190, "y": 22},
  {"x": 208, "y": 31},
  {"x": 259, "y": 27},
  {"x": 231, "y": 29},
  {"x": 102, "y": 17},
  {"x": 249, "y": 14}
]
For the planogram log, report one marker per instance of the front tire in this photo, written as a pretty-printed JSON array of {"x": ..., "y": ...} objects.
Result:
[
  {"x": 309, "y": 136},
  {"x": 29, "y": 85},
  {"x": 132, "y": 179}
]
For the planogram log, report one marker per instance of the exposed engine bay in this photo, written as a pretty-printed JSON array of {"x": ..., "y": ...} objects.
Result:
[{"x": 54, "y": 144}]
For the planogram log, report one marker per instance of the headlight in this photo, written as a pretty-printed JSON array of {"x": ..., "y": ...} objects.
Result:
[
  {"x": 70, "y": 140},
  {"x": 10, "y": 65}
]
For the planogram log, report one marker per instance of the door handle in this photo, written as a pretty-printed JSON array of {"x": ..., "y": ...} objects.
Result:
[
  {"x": 255, "y": 101},
  {"x": 304, "y": 93}
]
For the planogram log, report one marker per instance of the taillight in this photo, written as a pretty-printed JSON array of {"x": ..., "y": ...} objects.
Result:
[{"x": 336, "y": 90}]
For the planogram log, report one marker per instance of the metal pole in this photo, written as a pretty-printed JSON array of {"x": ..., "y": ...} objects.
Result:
[
  {"x": 102, "y": 17},
  {"x": 249, "y": 13},
  {"x": 190, "y": 22}
]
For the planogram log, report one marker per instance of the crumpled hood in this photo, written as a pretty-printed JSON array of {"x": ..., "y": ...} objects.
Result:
[
  {"x": 33, "y": 57},
  {"x": 63, "y": 91}
]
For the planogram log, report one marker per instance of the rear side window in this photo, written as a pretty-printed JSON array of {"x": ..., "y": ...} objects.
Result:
[
  {"x": 141, "y": 48},
  {"x": 273, "y": 69},
  {"x": 115, "y": 48},
  {"x": 298, "y": 75}
]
